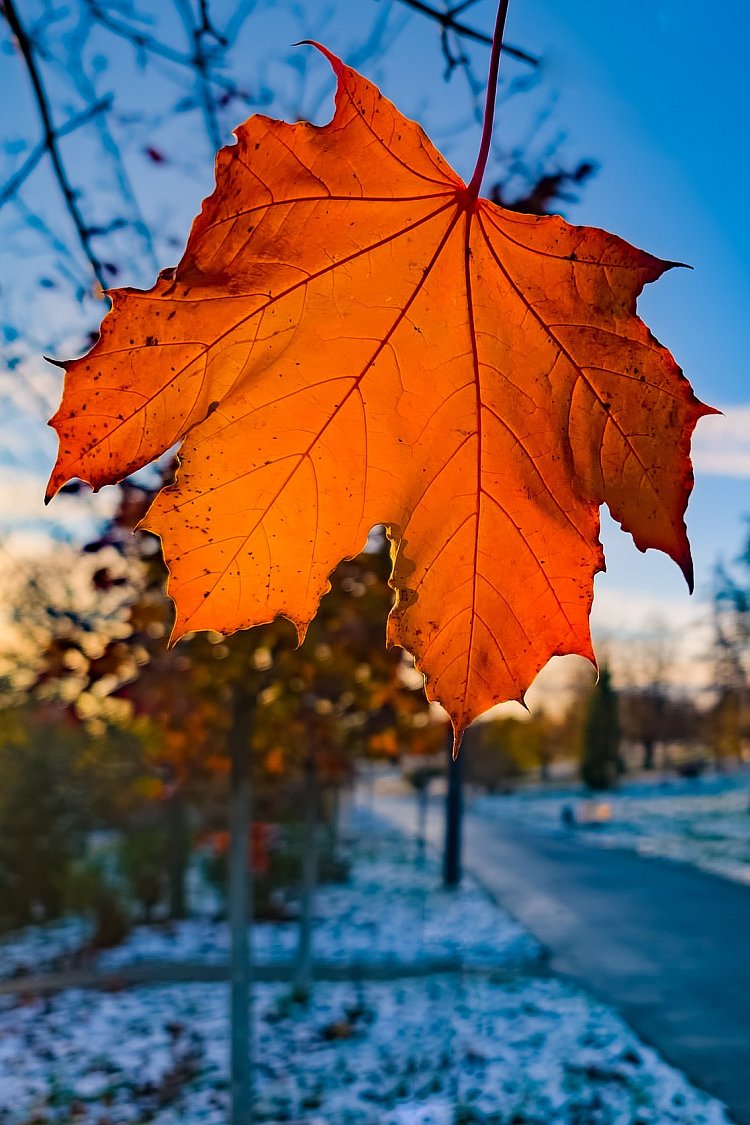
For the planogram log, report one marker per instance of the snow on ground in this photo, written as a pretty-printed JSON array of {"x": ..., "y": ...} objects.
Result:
[
  {"x": 703, "y": 821},
  {"x": 442, "y": 1051},
  {"x": 41, "y": 947},
  {"x": 390, "y": 910},
  {"x": 486, "y": 1046}
]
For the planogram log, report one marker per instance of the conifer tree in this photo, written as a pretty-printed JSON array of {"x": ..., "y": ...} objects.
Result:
[{"x": 600, "y": 752}]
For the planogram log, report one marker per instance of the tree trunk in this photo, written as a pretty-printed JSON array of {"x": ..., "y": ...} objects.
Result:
[
  {"x": 178, "y": 837},
  {"x": 453, "y": 815},
  {"x": 240, "y": 912},
  {"x": 334, "y": 826},
  {"x": 303, "y": 973},
  {"x": 423, "y": 794}
]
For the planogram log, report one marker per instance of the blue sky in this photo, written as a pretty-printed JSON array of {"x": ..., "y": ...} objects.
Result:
[
  {"x": 660, "y": 92},
  {"x": 656, "y": 91}
]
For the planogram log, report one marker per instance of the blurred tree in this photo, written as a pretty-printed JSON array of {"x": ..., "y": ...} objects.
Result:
[
  {"x": 317, "y": 708},
  {"x": 661, "y": 720},
  {"x": 729, "y": 718},
  {"x": 600, "y": 751},
  {"x": 491, "y": 752},
  {"x": 39, "y": 784},
  {"x": 501, "y": 750},
  {"x": 648, "y": 717},
  {"x": 645, "y": 720},
  {"x": 420, "y": 777},
  {"x": 60, "y": 617}
]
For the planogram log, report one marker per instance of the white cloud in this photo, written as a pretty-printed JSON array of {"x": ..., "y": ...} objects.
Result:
[
  {"x": 23, "y": 513},
  {"x": 721, "y": 445},
  {"x": 633, "y": 613}
]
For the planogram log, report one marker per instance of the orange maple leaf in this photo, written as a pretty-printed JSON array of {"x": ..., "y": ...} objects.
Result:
[{"x": 353, "y": 337}]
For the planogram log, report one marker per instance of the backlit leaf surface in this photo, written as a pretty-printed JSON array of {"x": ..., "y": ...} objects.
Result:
[{"x": 352, "y": 338}]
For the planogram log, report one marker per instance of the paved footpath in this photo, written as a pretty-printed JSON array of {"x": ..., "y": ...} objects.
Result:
[{"x": 667, "y": 945}]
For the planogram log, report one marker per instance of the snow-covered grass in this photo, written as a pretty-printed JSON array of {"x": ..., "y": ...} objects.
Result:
[
  {"x": 389, "y": 911},
  {"x": 485, "y": 1046},
  {"x": 442, "y": 1051},
  {"x": 38, "y": 948},
  {"x": 703, "y": 821}
]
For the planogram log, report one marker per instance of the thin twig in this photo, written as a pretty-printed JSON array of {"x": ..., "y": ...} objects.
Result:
[
  {"x": 143, "y": 41},
  {"x": 67, "y": 264},
  {"x": 201, "y": 61},
  {"x": 85, "y": 84},
  {"x": 448, "y": 21},
  {"x": 456, "y": 9},
  {"x": 17, "y": 180},
  {"x": 51, "y": 139},
  {"x": 458, "y": 59}
]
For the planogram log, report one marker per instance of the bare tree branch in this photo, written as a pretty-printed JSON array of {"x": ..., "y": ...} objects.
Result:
[
  {"x": 201, "y": 59},
  {"x": 448, "y": 22},
  {"x": 17, "y": 180},
  {"x": 143, "y": 41},
  {"x": 462, "y": 7},
  {"x": 74, "y": 67},
  {"x": 51, "y": 139}
]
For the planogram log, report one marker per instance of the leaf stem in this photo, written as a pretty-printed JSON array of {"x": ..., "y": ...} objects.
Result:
[{"x": 489, "y": 106}]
